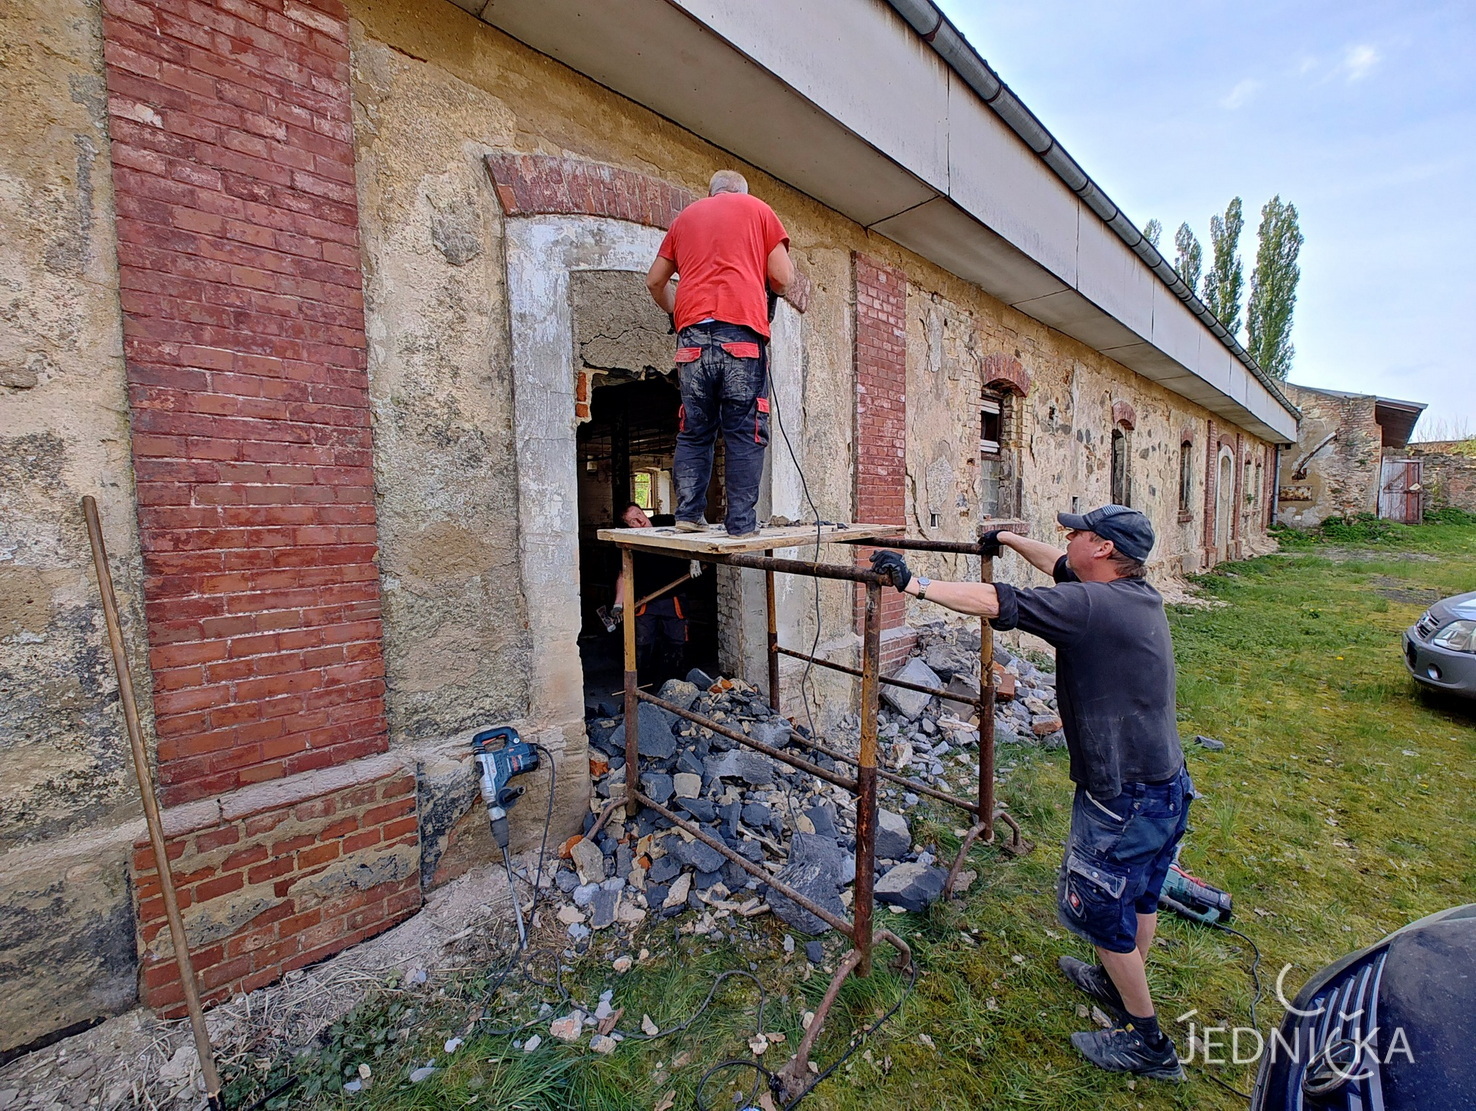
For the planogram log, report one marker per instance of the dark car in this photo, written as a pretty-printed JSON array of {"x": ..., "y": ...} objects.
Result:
[
  {"x": 1440, "y": 648},
  {"x": 1385, "y": 1029}
]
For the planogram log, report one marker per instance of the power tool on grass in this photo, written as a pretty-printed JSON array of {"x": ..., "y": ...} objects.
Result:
[
  {"x": 1190, "y": 897},
  {"x": 502, "y": 754}
]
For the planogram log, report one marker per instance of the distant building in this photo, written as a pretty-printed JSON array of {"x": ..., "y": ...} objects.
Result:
[{"x": 1350, "y": 457}]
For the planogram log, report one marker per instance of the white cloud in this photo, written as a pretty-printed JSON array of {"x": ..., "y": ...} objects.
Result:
[
  {"x": 1359, "y": 62},
  {"x": 1242, "y": 92}
]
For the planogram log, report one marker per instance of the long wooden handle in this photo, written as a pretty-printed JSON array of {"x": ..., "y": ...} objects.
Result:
[{"x": 151, "y": 808}]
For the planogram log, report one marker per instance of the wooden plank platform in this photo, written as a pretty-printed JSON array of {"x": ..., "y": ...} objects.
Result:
[{"x": 717, "y": 542}]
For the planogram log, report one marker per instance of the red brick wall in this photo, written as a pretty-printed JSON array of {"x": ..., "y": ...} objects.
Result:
[
  {"x": 244, "y": 335},
  {"x": 273, "y": 879},
  {"x": 881, "y": 427}
]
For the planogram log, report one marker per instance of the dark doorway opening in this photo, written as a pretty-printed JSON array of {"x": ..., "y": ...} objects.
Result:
[{"x": 624, "y": 454}]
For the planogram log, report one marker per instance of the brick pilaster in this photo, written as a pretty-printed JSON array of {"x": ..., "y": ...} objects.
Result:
[
  {"x": 881, "y": 425},
  {"x": 243, "y": 328}
]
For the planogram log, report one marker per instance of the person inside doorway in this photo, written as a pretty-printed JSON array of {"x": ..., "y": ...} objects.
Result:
[{"x": 661, "y": 622}]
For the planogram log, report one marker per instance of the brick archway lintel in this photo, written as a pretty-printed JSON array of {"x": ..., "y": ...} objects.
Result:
[
  {"x": 1006, "y": 371},
  {"x": 1124, "y": 414},
  {"x": 546, "y": 185}
]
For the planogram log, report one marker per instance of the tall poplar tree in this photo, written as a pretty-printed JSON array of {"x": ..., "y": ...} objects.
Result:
[
  {"x": 1153, "y": 232},
  {"x": 1273, "y": 295},
  {"x": 1190, "y": 258},
  {"x": 1225, "y": 281}
]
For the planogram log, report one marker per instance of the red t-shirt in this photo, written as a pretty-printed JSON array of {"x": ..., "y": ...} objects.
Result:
[{"x": 721, "y": 247}]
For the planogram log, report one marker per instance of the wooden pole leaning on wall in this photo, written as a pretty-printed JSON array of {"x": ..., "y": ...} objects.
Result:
[{"x": 177, "y": 933}]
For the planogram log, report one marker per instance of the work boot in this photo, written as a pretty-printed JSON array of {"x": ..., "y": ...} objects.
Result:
[
  {"x": 1125, "y": 1049},
  {"x": 1094, "y": 981},
  {"x": 743, "y": 535},
  {"x": 691, "y": 526}
]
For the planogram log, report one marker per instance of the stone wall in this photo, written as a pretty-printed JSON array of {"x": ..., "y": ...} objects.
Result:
[
  {"x": 1333, "y": 469},
  {"x": 1449, "y": 475},
  {"x": 1062, "y": 401}
]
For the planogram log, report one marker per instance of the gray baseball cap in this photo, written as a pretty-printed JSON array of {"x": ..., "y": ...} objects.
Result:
[{"x": 1128, "y": 529}]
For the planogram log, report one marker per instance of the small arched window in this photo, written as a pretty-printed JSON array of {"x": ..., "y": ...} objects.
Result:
[
  {"x": 1122, "y": 483},
  {"x": 1186, "y": 481}
]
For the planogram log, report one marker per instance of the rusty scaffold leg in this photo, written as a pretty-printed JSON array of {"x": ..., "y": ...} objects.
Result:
[{"x": 859, "y": 931}]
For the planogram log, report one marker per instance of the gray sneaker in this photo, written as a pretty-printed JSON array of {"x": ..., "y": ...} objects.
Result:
[
  {"x": 1092, "y": 979},
  {"x": 692, "y": 526},
  {"x": 1124, "y": 1049}
]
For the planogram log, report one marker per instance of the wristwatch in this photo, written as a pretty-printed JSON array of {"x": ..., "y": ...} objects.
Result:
[{"x": 922, "y": 586}]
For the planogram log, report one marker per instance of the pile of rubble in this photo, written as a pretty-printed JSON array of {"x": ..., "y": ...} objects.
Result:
[{"x": 798, "y": 828}]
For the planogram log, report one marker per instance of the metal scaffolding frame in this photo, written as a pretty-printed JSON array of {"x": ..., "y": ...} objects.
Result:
[{"x": 715, "y": 549}]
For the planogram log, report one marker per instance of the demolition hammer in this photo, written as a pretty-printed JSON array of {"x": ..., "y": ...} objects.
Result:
[
  {"x": 502, "y": 754},
  {"x": 1190, "y": 897}
]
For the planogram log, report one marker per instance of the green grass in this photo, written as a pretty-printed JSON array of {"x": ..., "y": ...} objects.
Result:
[{"x": 1341, "y": 808}]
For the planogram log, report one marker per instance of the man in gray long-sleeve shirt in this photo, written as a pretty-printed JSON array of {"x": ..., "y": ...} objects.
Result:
[{"x": 1115, "y": 688}]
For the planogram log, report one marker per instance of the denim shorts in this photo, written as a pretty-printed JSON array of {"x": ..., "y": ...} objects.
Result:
[{"x": 1117, "y": 858}]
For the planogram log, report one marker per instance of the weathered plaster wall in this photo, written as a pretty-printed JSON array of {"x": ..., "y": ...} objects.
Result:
[
  {"x": 67, "y": 799},
  {"x": 1342, "y": 478},
  {"x": 456, "y": 641},
  {"x": 1064, "y": 434},
  {"x": 472, "y": 88},
  {"x": 434, "y": 89},
  {"x": 1449, "y": 473}
]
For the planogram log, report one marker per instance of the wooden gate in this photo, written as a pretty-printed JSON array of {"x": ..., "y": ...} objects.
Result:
[{"x": 1400, "y": 491}]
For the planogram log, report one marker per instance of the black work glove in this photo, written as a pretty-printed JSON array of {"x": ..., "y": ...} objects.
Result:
[
  {"x": 892, "y": 565},
  {"x": 989, "y": 545}
]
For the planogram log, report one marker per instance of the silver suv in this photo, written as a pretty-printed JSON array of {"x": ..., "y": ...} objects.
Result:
[{"x": 1440, "y": 648}]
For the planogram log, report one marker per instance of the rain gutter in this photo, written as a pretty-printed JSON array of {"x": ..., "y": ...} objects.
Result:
[{"x": 924, "y": 17}]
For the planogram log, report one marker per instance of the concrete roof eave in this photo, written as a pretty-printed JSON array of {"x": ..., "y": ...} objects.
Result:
[{"x": 859, "y": 113}]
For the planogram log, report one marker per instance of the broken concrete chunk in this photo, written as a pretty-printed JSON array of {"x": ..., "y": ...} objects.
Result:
[
  {"x": 775, "y": 733},
  {"x": 658, "y": 786},
  {"x": 679, "y": 891},
  {"x": 951, "y": 660},
  {"x": 701, "y": 856},
  {"x": 893, "y": 836},
  {"x": 910, "y": 704},
  {"x": 753, "y": 768},
  {"x": 654, "y": 737},
  {"x": 811, "y": 848},
  {"x": 686, "y": 785},
  {"x": 569, "y": 1028},
  {"x": 679, "y": 693},
  {"x": 589, "y": 860},
  {"x": 815, "y": 882},
  {"x": 911, "y": 886},
  {"x": 606, "y": 903},
  {"x": 967, "y": 689}
]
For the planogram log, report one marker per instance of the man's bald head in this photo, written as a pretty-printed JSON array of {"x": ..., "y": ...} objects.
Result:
[{"x": 727, "y": 181}]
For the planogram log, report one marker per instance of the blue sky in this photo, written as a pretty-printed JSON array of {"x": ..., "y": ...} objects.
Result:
[{"x": 1361, "y": 114}]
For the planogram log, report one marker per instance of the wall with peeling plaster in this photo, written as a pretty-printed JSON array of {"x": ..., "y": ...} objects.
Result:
[
  {"x": 1063, "y": 435},
  {"x": 1338, "y": 476},
  {"x": 68, "y": 801}
]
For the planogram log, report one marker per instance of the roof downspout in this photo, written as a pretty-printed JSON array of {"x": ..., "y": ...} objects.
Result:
[{"x": 924, "y": 17}]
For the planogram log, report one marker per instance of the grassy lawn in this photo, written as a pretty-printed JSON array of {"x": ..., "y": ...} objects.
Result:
[{"x": 1341, "y": 808}]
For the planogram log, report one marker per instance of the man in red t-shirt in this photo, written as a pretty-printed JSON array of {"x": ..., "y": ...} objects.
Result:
[{"x": 730, "y": 250}]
